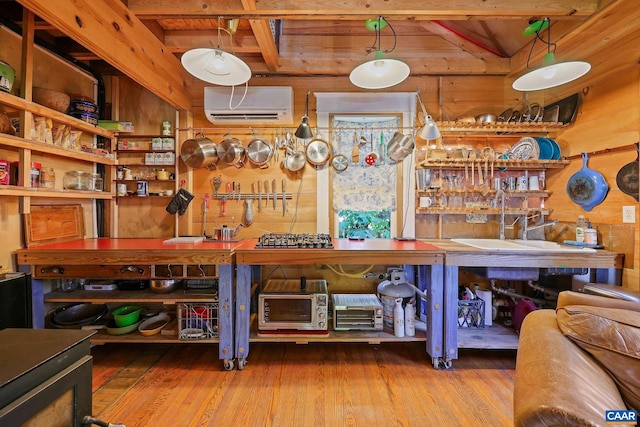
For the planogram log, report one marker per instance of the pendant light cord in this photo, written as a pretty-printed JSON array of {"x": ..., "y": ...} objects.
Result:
[
  {"x": 376, "y": 46},
  {"x": 547, "y": 42}
]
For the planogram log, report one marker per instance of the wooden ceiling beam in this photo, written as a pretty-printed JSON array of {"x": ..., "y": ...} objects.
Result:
[
  {"x": 339, "y": 66},
  {"x": 181, "y": 41},
  {"x": 108, "y": 29},
  {"x": 265, "y": 38},
  {"x": 358, "y": 9}
]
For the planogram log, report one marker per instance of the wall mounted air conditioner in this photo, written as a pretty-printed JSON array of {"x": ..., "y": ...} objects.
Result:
[{"x": 262, "y": 104}]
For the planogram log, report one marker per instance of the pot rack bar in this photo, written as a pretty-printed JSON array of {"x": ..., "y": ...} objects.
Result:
[
  {"x": 444, "y": 126},
  {"x": 604, "y": 151}
]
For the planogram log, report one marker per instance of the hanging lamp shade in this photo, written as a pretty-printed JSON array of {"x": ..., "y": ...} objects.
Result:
[
  {"x": 304, "y": 130},
  {"x": 551, "y": 74},
  {"x": 216, "y": 66},
  {"x": 379, "y": 73},
  {"x": 430, "y": 129}
]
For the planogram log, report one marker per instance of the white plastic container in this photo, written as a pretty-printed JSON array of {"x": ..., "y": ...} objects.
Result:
[
  {"x": 409, "y": 319},
  {"x": 590, "y": 236},
  {"x": 398, "y": 319}
]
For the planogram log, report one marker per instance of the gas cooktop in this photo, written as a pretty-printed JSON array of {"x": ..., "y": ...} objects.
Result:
[{"x": 295, "y": 241}]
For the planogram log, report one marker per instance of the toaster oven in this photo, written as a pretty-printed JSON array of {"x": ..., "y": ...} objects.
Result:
[{"x": 356, "y": 312}]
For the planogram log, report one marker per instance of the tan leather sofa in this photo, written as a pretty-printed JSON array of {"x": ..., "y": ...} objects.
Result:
[{"x": 557, "y": 381}]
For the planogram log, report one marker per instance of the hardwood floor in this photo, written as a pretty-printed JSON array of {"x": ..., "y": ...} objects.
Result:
[{"x": 301, "y": 385}]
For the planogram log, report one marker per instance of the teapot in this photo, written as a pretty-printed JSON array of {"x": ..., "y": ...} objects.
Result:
[{"x": 225, "y": 232}]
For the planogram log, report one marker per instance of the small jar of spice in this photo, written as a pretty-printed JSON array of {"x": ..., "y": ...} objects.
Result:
[{"x": 47, "y": 178}]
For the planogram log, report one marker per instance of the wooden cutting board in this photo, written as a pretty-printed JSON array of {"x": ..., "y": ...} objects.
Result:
[{"x": 53, "y": 224}]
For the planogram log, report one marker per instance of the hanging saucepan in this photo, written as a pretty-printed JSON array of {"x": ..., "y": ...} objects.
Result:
[
  {"x": 587, "y": 187},
  {"x": 318, "y": 151},
  {"x": 400, "y": 146},
  {"x": 259, "y": 152},
  {"x": 231, "y": 151},
  {"x": 294, "y": 160},
  {"x": 199, "y": 152},
  {"x": 627, "y": 178}
]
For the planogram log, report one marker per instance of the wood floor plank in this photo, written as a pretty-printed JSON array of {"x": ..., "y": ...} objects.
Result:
[{"x": 315, "y": 385}]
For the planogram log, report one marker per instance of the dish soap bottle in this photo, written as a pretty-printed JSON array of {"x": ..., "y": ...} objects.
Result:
[{"x": 581, "y": 226}]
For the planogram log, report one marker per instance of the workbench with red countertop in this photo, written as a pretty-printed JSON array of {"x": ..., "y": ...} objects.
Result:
[{"x": 422, "y": 260}]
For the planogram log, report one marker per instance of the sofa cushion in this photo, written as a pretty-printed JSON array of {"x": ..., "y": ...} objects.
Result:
[{"x": 612, "y": 337}]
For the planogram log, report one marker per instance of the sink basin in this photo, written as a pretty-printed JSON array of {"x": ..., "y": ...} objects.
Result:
[{"x": 521, "y": 245}]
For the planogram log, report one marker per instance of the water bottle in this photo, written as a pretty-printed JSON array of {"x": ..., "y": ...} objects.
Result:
[
  {"x": 581, "y": 226},
  {"x": 409, "y": 319},
  {"x": 398, "y": 319}
]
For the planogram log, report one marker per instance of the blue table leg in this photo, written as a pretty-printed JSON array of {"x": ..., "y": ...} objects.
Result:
[
  {"x": 243, "y": 313},
  {"x": 225, "y": 314}
]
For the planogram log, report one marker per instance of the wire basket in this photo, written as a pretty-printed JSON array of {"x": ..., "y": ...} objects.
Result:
[
  {"x": 197, "y": 321},
  {"x": 471, "y": 313}
]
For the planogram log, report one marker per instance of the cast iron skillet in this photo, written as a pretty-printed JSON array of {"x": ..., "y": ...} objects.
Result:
[
  {"x": 587, "y": 187},
  {"x": 627, "y": 178}
]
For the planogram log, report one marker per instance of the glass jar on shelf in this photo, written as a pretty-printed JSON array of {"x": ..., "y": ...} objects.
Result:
[
  {"x": 47, "y": 178},
  {"x": 76, "y": 180}
]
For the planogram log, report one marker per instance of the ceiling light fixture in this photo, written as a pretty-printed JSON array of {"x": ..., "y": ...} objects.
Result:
[
  {"x": 430, "y": 129},
  {"x": 552, "y": 74},
  {"x": 215, "y": 65},
  {"x": 304, "y": 130},
  {"x": 379, "y": 73}
]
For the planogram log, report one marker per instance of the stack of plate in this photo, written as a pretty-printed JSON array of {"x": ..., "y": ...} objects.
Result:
[
  {"x": 548, "y": 149},
  {"x": 537, "y": 148},
  {"x": 84, "y": 108}
]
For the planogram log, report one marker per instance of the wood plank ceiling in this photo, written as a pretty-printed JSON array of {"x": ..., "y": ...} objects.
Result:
[{"x": 289, "y": 37}]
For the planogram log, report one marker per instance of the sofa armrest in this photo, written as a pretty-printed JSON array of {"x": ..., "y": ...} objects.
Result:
[
  {"x": 567, "y": 298},
  {"x": 556, "y": 382}
]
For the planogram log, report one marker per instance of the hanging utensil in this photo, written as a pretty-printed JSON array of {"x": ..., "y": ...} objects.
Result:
[
  {"x": 204, "y": 214},
  {"x": 627, "y": 177},
  {"x": 284, "y": 197},
  {"x": 472, "y": 158},
  {"x": 275, "y": 193},
  {"x": 355, "y": 151},
  {"x": 217, "y": 181},
  {"x": 381, "y": 150},
  {"x": 248, "y": 211}
]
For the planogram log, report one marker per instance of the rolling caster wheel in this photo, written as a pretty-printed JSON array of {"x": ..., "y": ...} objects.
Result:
[
  {"x": 228, "y": 364},
  {"x": 446, "y": 364},
  {"x": 241, "y": 364}
]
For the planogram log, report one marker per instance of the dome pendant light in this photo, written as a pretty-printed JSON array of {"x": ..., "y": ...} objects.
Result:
[
  {"x": 552, "y": 74},
  {"x": 380, "y": 72},
  {"x": 215, "y": 65}
]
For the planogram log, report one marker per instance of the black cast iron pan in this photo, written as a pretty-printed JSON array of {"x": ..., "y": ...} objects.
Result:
[{"x": 627, "y": 178}]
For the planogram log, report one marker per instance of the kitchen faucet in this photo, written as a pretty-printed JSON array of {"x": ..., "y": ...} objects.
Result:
[
  {"x": 526, "y": 229},
  {"x": 500, "y": 193}
]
